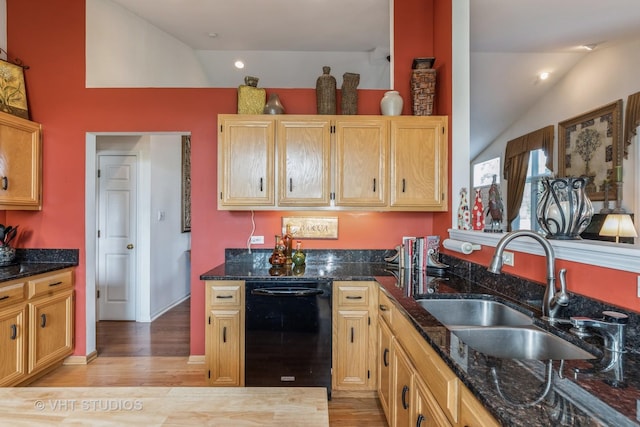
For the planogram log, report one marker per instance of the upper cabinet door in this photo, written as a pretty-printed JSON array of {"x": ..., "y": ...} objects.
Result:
[
  {"x": 246, "y": 149},
  {"x": 304, "y": 153},
  {"x": 362, "y": 147},
  {"x": 419, "y": 163},
  {"x": 20, "y": 163}
]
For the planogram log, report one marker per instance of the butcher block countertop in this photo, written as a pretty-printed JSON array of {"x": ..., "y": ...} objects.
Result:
[{"x": 165, "y": 406}]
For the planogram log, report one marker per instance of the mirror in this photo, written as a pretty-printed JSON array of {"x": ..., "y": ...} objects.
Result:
[
  {"x": 507, "y": 97},
  {"x": 160, "y": 43}
]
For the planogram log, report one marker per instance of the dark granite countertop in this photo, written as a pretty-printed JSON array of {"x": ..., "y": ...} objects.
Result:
[
  {"x": 509, "y": 389},
  {"x": 30, "y": 262}
]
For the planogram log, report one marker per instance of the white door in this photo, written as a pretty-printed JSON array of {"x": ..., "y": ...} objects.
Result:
[{"x": 116, "y": 270}]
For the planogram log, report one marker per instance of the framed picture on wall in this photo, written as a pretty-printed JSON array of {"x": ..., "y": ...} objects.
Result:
[
  {"x": 13, "y": 94},
  {"x": 590, "y": 146}
]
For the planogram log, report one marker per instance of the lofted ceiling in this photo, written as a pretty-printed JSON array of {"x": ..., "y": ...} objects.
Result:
[{"x": 510, "y": 41}]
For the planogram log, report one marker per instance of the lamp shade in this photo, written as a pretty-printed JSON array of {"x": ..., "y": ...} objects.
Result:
[{"x": 618, "y": 225}]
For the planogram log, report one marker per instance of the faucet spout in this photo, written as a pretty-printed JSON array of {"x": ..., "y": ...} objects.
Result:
[{"x": 552, "y": 300}]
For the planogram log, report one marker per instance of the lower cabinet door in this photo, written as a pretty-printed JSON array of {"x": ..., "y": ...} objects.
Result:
[
  {"x": 224, "y": 348},
  {"x": 351, "y": 369},
  {"x": 426, "y": 411},
  {"x": 401, "y": 406},
  {"x": 12, "y": 345},
  {"x": 384, "y": 366},
  {"x": 50, "y": 330}
]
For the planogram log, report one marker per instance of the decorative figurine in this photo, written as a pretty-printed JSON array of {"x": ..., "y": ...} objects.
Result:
[{"x": 496, "y": 208}]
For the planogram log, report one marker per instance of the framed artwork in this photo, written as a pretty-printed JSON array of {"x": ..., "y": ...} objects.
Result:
[
  {"x": 186, "y": 183},
  {"x": 590, "y": 146},
  {"x": 13, "y": 94}
]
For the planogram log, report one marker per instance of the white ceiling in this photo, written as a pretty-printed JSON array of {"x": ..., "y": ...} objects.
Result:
[{"x": 511, "y": 41}]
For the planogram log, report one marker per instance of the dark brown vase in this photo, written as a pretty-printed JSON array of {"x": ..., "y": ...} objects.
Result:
[
  {"x": 273, "y": 105},
  {"x": 326, "y": 92},
  {"x": 349, "y": 104}
]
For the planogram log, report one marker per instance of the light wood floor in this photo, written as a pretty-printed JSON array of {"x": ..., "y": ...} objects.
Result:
[{"x": 156, "y": 354}]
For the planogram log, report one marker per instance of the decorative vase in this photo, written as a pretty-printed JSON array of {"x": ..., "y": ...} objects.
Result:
[
  {"x": 326, "y": 92},
  {"x": 478, "y": 212},
  {"x": 564, "y": 210},
  {"x": 273, "y": 105},
  {"x": 349, "y": 102},
  {"x": 464, "y": 216},
  {"x": 287, "y": 239},
  {"x": 391, "y": 103},
  {"x": 251, "y": 100},
  {"x": 7, "y": 255},
  {"x": 423, "y": 86},
  {"x": 278, "y": 258},
  {"x": 299, "y": 258}
]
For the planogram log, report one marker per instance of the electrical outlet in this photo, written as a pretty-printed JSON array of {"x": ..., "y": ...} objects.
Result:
[
  {"x": 507, "y": 258},
  {"x": 257, "y": 240}
]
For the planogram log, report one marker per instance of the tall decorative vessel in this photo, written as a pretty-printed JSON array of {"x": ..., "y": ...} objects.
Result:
[
  {"x": 391, "y": 103},
  {"x": 349, "y": 102},
  {"x": 326, "y": 92},
  {"x": 564, "y": 210},
  {"x": 423, "y": 86}
]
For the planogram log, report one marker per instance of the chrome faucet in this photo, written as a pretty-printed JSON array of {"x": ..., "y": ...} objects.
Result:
[{"x": 552, "y": 300}]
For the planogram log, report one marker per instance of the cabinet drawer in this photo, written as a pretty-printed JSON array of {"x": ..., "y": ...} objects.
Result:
[
  {"x": 11, "y": 294},
  {"x": 385, "y": 308},
  {"x": 48, "y": 284},
  {"x": 227, "y": 295},
  {"x": 353, "y": 295}
]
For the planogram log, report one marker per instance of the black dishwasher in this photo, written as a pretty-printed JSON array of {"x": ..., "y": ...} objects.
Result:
[{"x": 288, "y": 333}]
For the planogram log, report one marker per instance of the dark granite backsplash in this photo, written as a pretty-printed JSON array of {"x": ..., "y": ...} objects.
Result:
[
  {"x": 314, "y": 256},
  {"x": 531, "y": 293},
  {"x": 47, "y": 255}
]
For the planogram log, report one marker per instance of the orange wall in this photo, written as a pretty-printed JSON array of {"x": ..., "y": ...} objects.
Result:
[
  {"x": 51, "y": 40},
  {"x": 610, "y": 286}
]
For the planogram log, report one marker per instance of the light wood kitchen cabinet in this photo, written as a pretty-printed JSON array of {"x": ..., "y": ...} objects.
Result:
[
  {"x": 224, "y": 337},
  {"x": 419, "y": 163},
  {"x": 385, "y": 378},
  {"x": 432, "y": 386},
  {"x": 304, "y": 162},
  {"x": 412, "y": 403},
  {"x": 354, "y": 335},
  {"x": 472, "y": 413},
  {"x": 362, "y": 147},
  {"x": 246, "y": 153},
  {"x": 328, "y": 162},
  {"x": 36, "y": 325},
  {"x": 13, "y": 344},
  {"x": 21, "y": 165}
]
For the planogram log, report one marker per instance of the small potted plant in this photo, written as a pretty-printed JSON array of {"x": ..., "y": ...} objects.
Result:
[{"x": 7, "y": 252}]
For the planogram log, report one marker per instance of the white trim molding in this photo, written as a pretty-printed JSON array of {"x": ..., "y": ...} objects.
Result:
[{"x": 621, "y": 256}]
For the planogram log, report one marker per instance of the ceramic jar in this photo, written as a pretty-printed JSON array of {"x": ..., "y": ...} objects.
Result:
[
  {"x": 391, "y": 103},
  {"x": 273, "y": 106}
]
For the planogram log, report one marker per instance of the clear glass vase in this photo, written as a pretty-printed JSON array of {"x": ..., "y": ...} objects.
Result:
[{"x": 564, "y": 209}]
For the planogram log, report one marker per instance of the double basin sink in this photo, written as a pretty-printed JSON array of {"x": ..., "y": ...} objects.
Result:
[{"x": 495, "y": 329}]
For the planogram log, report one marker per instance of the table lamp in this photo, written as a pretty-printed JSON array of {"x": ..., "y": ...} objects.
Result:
[{"x": 618, "y": 225}]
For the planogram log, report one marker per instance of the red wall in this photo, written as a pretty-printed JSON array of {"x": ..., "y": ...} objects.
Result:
[{"x": 51, "y": 40}]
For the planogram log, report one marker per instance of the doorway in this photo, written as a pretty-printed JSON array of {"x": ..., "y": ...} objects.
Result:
[{"x": 161, "y": 272}]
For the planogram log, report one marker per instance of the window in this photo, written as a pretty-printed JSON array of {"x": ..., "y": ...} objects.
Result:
[
  {"x": 526, "y": 219},
  {"x": 483, "y": 172}
]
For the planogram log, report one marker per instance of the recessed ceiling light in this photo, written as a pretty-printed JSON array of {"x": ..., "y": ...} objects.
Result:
[
  {"x": 213, "y": 35},
  {"x": 589, "y": 47},
  {"x": 544, "y": 75},
  {"x": 239, "y": 64}
]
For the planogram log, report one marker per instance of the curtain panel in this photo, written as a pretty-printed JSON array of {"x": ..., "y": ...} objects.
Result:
[
  {"x": 632, "y": 121},
  {"x": 516, "y": 162}
]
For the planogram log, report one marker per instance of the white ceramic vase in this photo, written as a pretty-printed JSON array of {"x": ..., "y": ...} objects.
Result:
[{"x": 391, "y": 103}]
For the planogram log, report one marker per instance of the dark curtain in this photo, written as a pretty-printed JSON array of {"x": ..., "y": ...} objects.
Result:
[
  {"x": 632, "y": 120},
  {"x": 516, "y": 162}
]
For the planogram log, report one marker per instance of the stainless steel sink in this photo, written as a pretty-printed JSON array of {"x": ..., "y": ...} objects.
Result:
[
  {"x": 519, "y": 343},
  {"x": 474, "y": 312}
]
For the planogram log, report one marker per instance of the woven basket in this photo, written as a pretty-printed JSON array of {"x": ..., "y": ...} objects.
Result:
[{"x": 423, "y": 91}]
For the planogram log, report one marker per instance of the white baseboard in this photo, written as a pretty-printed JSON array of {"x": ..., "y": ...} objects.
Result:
[
  {"x": 80, "y": 360},
  {"x": 196, "y": 359},
  {"x": 180, "y": 301}
]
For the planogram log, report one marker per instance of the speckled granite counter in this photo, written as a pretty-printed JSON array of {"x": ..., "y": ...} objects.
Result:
[
  {"x": 30, "y": 262},
  {"x": 509, "y": 389}
]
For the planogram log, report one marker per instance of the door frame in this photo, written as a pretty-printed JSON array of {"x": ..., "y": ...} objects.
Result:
[{"x": 143, "y": 288}]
